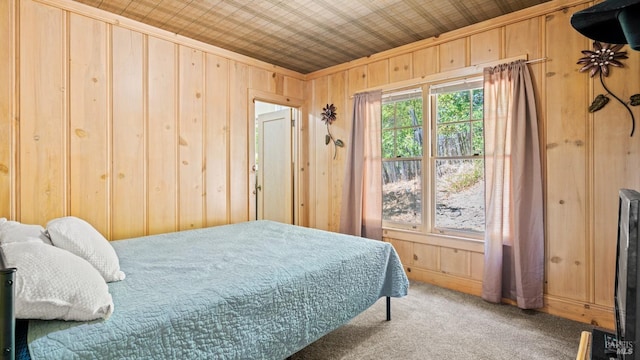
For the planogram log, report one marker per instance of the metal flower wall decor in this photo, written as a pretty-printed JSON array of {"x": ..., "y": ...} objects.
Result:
[
  {"x": 328, "y": 117},
  {"x": 597, "y": 61}
]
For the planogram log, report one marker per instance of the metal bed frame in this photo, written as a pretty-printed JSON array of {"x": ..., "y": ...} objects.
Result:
[{"x": 7, "y": 311}]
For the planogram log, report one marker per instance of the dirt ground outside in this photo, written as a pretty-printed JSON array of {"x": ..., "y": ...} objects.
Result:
[{"x": 462, "y": 210}]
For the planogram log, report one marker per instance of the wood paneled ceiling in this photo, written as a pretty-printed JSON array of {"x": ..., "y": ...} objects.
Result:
[{"x": 309, "y": 35}]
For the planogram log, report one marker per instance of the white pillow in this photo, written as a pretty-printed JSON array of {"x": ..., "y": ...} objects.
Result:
[
  {"x": 53, "y": 283},
  {"x": 13, "y": 231},
  {"x": 79, "y": 237}
]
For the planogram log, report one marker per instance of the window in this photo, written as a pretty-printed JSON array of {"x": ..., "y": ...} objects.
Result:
[
  {"x": 402, "y": 144},
  {"x": 458, "y": 156},
  {"x": 453, "y": 199}
]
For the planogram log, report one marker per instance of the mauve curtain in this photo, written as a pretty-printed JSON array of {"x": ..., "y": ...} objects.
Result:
[
  {"x": 361, "y": 213},
  {"x": 514, "y": 236}
]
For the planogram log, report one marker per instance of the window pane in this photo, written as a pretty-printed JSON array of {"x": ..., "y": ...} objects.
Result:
[
  {"x": 402, "y": 126},
  {"x": 454, "y": 106},
  {"x": 409, "y": 142},
  {"x": 409, "y": 113},
  {"x": 478, "y": 137},
  {"x": 388, "y": 144},
  {"x": 402, "y": 191},
  {"x": 454, "y": 140},
  {"x": 460, "y": 195},
  {"x": 477, "y": 112},
  {"x": 388, "y": 115}
]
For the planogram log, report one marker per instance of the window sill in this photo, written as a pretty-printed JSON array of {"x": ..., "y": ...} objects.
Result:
[{"x": 454, "y": 242}]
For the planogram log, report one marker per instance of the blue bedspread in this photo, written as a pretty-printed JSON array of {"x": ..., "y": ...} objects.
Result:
[{"x": 255, "y": 290}]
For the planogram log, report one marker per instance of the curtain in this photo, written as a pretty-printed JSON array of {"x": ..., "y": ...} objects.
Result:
[
  {"x": 361, "y": 213},
  {"x": 514, "y": 235}
]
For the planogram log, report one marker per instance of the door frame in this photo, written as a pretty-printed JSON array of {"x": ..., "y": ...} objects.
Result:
[{"x": 296, "y": 105}]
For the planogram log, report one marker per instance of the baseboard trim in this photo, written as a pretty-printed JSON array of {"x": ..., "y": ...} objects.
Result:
[
  {"x": 594, "y": 314},
  {"x": 448, "y": 281}
]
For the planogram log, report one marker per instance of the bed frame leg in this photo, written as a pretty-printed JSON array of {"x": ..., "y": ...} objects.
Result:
[
  {"x": 7, "y": 314},
  {"x": 388, "y": 308}
]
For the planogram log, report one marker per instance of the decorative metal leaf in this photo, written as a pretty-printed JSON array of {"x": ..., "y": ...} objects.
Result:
[
  {"x": 327, "y": 139},
  {"x": 635, "y": 100},
  {"x": 339, "y": 143},
  {"x": 598, "y": 103}
]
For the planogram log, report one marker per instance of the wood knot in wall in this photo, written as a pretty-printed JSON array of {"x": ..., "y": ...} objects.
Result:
[{"x": 81, "y": 133}]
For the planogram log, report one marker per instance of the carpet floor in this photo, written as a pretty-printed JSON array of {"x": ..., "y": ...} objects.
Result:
[{"x": 436, "y": 323}]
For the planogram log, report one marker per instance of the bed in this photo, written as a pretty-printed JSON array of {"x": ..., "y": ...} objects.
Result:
[{"x": 253, "y": 290}]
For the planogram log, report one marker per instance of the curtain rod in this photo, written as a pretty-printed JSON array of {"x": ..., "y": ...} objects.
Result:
[
  {"x": 536, "y": 60},
  {"x": 473, "y": 70}
]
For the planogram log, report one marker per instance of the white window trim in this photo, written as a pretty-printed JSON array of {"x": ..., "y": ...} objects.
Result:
[
  {"x": 466, "y": 79},
  {"x": 466, "y": 83},
  {"x": 394, "y": 96}
]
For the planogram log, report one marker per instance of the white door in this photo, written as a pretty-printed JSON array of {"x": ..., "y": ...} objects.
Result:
[{"x": 275, "y": 166}]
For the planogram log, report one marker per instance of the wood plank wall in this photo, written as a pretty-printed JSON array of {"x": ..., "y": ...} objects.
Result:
[
  {"x": 586, "y": 157},
  {"x": 140, "y": 131},
  {"x": 7, "y": 104},
  {"x": 134, "y": 129}
]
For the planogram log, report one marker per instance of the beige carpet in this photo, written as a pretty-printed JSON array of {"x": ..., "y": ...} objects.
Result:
[{"x": 435, "y": 323}]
